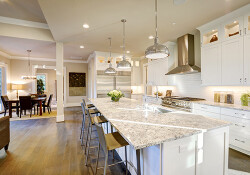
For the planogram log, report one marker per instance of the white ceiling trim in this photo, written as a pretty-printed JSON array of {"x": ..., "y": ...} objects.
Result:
[
  {"x": 5, "y": 55},
  {"x": 46, "y": 59},
  {"x": 25, "y": 23}
]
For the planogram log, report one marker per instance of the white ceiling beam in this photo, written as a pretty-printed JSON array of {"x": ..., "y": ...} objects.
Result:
[{"x": 25, "y": 23}]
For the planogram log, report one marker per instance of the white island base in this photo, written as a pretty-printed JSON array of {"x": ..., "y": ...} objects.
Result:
[{"x": 202, "y": 154}]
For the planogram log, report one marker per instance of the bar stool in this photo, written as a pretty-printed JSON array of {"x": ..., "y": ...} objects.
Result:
[
  {"x": 93, "y": 110},
  {"x": 109, "y": 142},
  {"x": 99, "y": 120}
]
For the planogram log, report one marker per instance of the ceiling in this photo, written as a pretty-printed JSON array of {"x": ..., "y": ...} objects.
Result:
[{"x": 65, "y": 19}]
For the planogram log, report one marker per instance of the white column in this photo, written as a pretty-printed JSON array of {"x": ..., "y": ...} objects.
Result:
[{"x": 59, "y": 78}]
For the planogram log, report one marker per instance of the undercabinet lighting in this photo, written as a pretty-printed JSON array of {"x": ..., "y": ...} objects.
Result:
[
  {"x": 81, "y": 47},
  {"x": 44, "y": 66},
  {"x": 151, "y": 37},
  {"x": 86, "y": 26}
]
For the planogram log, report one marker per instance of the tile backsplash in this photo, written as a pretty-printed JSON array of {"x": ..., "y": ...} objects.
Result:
[{"x": 190, "y": 85}]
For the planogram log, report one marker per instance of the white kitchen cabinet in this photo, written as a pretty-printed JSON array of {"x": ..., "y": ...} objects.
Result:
[
  {"x": 247, "y": 24},
  {"x": 211, "y": 64},
  {"x": 205, "y": 110},
  {"x": 156, "y": 72},
  {"x": 136, "y": 76},
  {"x": 247, "y": 60},
  {"x": 232, "y": 62},
  {"x": 233, "y": 28}
]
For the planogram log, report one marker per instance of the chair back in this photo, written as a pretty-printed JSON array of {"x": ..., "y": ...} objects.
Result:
[
  {"x": 34, "y": 95},
  {"x": 4, "y": 100},
  {"x": 25, "y": 102},
  {"x": 84, "y": 103},
  {"x": 101, "y": 136},
  {"x": 50, "y": 99}
]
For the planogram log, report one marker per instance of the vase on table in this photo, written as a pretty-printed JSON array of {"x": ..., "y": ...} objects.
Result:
[{"x": 115, "y": 99}]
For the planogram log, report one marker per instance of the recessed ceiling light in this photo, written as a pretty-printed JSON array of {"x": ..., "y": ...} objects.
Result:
[
  {"x": 173, "y": 23},
  {"x": 213, "y": 30},
  {"x": 81, "y": 47},
  {"x": 128, "y": 51},
  {"x": 235, "y": 22},
  {"x": 151, "y": 37},
  {"x": 86, "y": 26}
]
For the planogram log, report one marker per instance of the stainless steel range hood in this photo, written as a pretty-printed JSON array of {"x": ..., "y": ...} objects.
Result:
[{"x": 186, "y": 62}]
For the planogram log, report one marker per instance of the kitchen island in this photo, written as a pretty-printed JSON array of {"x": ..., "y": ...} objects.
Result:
[{"x": 167, "y": 142}]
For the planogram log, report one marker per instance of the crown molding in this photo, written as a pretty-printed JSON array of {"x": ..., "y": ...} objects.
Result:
[
  {"x": 21, "y": 22},
  {"x": 5, "y": 55}
]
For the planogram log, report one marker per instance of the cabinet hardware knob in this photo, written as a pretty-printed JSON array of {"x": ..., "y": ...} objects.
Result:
[
  {"x": 245, "y": 29},
  {"x": 240, "y": 80},
  {"x": 240, "y": 32},
  {"x": 239, "y": 140}
]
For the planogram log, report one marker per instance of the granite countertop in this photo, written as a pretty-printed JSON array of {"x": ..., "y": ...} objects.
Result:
[
  {"x": 224, "y": 105},
  {"x": 143, "y": 128}
]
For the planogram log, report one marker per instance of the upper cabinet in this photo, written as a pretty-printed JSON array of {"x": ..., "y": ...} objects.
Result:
[
  {"x": 225, "y": 44},
  {"x": 247, "y": 24},
  {"x": 156, "y": 72},
  {"x": 232, "y": 29}
]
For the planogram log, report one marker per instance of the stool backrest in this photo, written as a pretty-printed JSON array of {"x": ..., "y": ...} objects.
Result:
[
  {"x": 101, "y": 136},
  {"x": 84, "y": 103}
]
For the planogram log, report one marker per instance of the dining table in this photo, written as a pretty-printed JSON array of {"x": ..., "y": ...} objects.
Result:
[{"x": 38, "y": 100}]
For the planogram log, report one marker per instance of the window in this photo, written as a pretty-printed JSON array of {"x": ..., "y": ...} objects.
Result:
[{"x": 43, "y": 77}]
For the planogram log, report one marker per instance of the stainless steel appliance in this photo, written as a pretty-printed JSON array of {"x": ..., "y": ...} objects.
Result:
[
  {"x": 121, "y": 81},
  {"x": 182, "y": 103}
]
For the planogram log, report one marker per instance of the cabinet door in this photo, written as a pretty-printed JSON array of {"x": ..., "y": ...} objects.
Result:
[
  {"x": 232, "y": 62},
  {"x": 150, "y": 74},
  {"x": 211, "y": 64},
  {"x": 160, "y": 69},
  {"x": 247, "y": 59},
  {"x": 247, "y": 24},
  {"x": 136, "y": 78}
]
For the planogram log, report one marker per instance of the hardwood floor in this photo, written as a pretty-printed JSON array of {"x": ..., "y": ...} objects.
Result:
[{"x": 42, "y": 146}]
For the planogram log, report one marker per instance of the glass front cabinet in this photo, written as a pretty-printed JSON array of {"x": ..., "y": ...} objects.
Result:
[{"x": 247, "y": 24}]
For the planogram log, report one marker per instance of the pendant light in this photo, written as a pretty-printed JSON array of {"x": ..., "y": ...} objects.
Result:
[
  {"x": 29, "y": 77},
  {"x": 110, "y": 69},
  {"x": 157, "y": 50},
  {"x": 124, "y": 64}
]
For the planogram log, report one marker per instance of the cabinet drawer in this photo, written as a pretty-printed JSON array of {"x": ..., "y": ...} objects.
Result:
[
  {"x": 240, "y": 142},
  {"x": 239, "y": 126},
  {"x": 236, "y": 113},
  {"x": 207, "y": 108},
  {"x": 207, "y": 114}
]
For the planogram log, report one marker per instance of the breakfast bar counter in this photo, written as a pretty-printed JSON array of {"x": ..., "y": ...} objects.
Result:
[{"x": 166, "y": 141}]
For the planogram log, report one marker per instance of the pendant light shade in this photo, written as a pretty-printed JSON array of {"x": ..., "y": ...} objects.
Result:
[
  {"x": 157, "y": 50},
  {"x": 110, "y": 69},
  {"x": 124, "y": 64}
]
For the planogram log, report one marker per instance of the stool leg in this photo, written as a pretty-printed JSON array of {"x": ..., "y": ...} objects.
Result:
[
  {"x": 88, "y": 146},
  {"x": 97, "y": 160},
  {"x": 126, "y": 159},
  {"x": 87, "y": 139},
  {"x": 106, "y": 163},
  {"x": 83, "y": 122},
  {"x": 82, "y": 131},
  {"x": 113, "y": 152}
]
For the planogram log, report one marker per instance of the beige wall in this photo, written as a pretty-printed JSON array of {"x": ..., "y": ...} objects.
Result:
[
  {"x": 5, "y": 64},
  {"x": 20, "y": 67}
]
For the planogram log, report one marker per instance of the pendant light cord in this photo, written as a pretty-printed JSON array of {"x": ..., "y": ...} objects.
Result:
[
  {"x": 110, "y": 64},
  {"x": 156, "y": 26},
  {"x": 29, "y": 59},
  {"x": 124, "y": 20}
]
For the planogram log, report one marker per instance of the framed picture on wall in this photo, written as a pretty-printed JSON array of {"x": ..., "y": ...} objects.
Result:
[{"x": 77, "y": 84}]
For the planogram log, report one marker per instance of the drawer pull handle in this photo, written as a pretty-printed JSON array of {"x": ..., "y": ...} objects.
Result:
[
  {"x": 240, "y": 125},
  {"x": 239, "y": 140}
]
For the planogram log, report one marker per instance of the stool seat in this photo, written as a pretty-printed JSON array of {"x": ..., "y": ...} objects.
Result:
[
  {"x": 90, "y": 106},
  {"x": 93, "y": 111},
  {"x": 99, "y": 119},
  {"x": 114, "y": 141}
]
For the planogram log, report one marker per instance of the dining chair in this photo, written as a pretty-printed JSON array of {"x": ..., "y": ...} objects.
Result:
[
  {"x": 25, "y": 104},
  {"x": 5, "y": 100},
  {"x": 109, "y": 142},
  {"x": 48, "y": 104}
]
